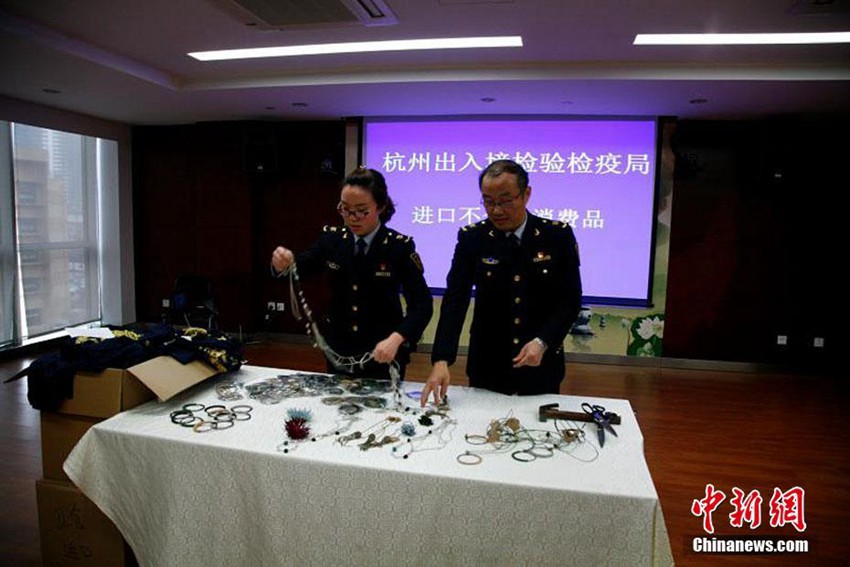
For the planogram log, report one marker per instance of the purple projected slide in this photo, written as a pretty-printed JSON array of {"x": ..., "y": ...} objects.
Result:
[{"x": 597, "y": 175}]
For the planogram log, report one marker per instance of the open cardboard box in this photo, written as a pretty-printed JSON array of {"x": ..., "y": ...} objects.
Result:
[{"x": 107, "y": 393}]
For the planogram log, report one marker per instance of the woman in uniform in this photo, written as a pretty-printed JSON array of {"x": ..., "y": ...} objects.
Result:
[{"x": 368, "y": 265}]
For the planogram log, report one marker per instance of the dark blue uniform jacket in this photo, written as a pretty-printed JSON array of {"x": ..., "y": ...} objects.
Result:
[{"x": 520, "y": 294}]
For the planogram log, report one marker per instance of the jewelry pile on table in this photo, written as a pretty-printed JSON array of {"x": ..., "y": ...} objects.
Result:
[{"x": 507, "y": 435}]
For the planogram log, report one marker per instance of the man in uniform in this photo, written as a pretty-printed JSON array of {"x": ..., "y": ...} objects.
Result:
[{"x": 525, "y": 271}]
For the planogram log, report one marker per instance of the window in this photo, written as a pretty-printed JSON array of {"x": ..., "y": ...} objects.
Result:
[{"x": 50, "y": 253}]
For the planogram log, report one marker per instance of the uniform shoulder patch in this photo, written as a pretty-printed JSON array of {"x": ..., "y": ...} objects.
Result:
[{"x": 417, "y": 261}]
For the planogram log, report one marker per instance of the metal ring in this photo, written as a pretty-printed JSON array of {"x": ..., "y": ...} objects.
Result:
[
  {"x": 239, "y": 408},
  {"x": 545, "y": 454},
  {"x": 189, "y": 419},
  {"x": 349, "y": 408},
  {"x": 199, "y": 427},
  {"x": 516, "y": 454},
  {"x": 469, "y": 458},
  {"x": 215, "y": 408},
  {"x": 478, "y": 439},
  {"x": 222, "y": 424},
  {"x": 374, "y": 402},
  {"x": 223, "y": 417},
  {"x": 193, "y": 407},
  {"x": 217, "y": 411}
]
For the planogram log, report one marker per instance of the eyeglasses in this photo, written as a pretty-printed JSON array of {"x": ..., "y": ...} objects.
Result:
[
  {"x": 352, "y": 213},
  {"x": 503, "y": 204}
]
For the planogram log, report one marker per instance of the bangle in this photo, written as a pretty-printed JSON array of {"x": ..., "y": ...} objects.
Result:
[
  {"x": 469, "y": 458},
  {"x": 540, "y": 342},
  {"x": 523, "y": 456}
]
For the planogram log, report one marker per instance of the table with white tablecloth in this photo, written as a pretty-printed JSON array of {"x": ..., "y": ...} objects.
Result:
[{"x": 248, "y": 496}]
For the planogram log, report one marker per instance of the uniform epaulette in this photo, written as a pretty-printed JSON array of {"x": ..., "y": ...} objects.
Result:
[
  {"x": 474, "y": 225},
  {"x": 329, "y": 228},
  {"x": 393, "y": 235}
]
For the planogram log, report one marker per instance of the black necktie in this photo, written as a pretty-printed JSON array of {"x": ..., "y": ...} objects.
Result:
[
  {"x": 513, "y": 240},
  {"x": 361, "y": 247}
]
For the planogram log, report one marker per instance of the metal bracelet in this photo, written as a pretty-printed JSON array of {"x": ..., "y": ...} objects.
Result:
[
  {"x": 469, "y": 458},
  {"x": 541, "y": 451},
  {"x": 526, "y": 459}
]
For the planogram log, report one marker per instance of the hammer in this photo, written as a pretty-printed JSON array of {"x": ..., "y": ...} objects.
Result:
[{"x": 550, "y": 411}]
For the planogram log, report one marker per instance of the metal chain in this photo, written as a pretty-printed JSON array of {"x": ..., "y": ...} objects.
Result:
[{"x": 343, "y": 363}]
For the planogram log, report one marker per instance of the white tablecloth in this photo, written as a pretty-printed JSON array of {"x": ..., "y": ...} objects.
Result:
[{"x": 230, "y": 497}]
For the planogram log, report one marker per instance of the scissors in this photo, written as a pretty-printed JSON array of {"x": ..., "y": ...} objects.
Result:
[{"x": 602, "y": 419}]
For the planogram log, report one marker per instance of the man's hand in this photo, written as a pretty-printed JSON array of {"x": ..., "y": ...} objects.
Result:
[
  {"x": 282, "y": 259},
  {"x": 386, "y": 350},
  {"x": 531, "y": 354},
  {"x": 438, "y": 383}
]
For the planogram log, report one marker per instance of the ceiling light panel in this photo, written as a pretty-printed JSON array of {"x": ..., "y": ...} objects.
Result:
[
  {"x": 741, "y": 38},
  {"x": 359, "y": 47}
]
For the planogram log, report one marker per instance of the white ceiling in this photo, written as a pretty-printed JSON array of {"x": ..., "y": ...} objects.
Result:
[{"x": 126, "y": 60}]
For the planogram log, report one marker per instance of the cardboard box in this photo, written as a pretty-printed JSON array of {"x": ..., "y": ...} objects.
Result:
[
  {"x": 112, "y": 391},
  {"x": 166, "y": 376},
  {"x": 105, "y": 394},
  {"x": 74, "y": 531},
  {"x": 59, "y": 434}
]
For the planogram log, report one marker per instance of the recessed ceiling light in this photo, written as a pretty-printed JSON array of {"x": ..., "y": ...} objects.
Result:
[
  {"x": 740, "y": 38},
  {"x": 359, "y": 47}
]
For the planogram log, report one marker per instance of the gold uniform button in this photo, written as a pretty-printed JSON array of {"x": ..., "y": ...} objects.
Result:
[
  {"x": 516, "y": 341},
  {"x": 489, "y": 274},
  {"x": 354, "y": 328},
  {"x": 517, "y": 299},
  {"x": 516, "y": 278},
  {"x": 516, "y": 321},
  {"x": 354, "y": 308},
  {"x": 354, "y": 287}
]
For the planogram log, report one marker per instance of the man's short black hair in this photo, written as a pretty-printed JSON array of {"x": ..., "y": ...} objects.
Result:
[{"x": 501, "y": 166}]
